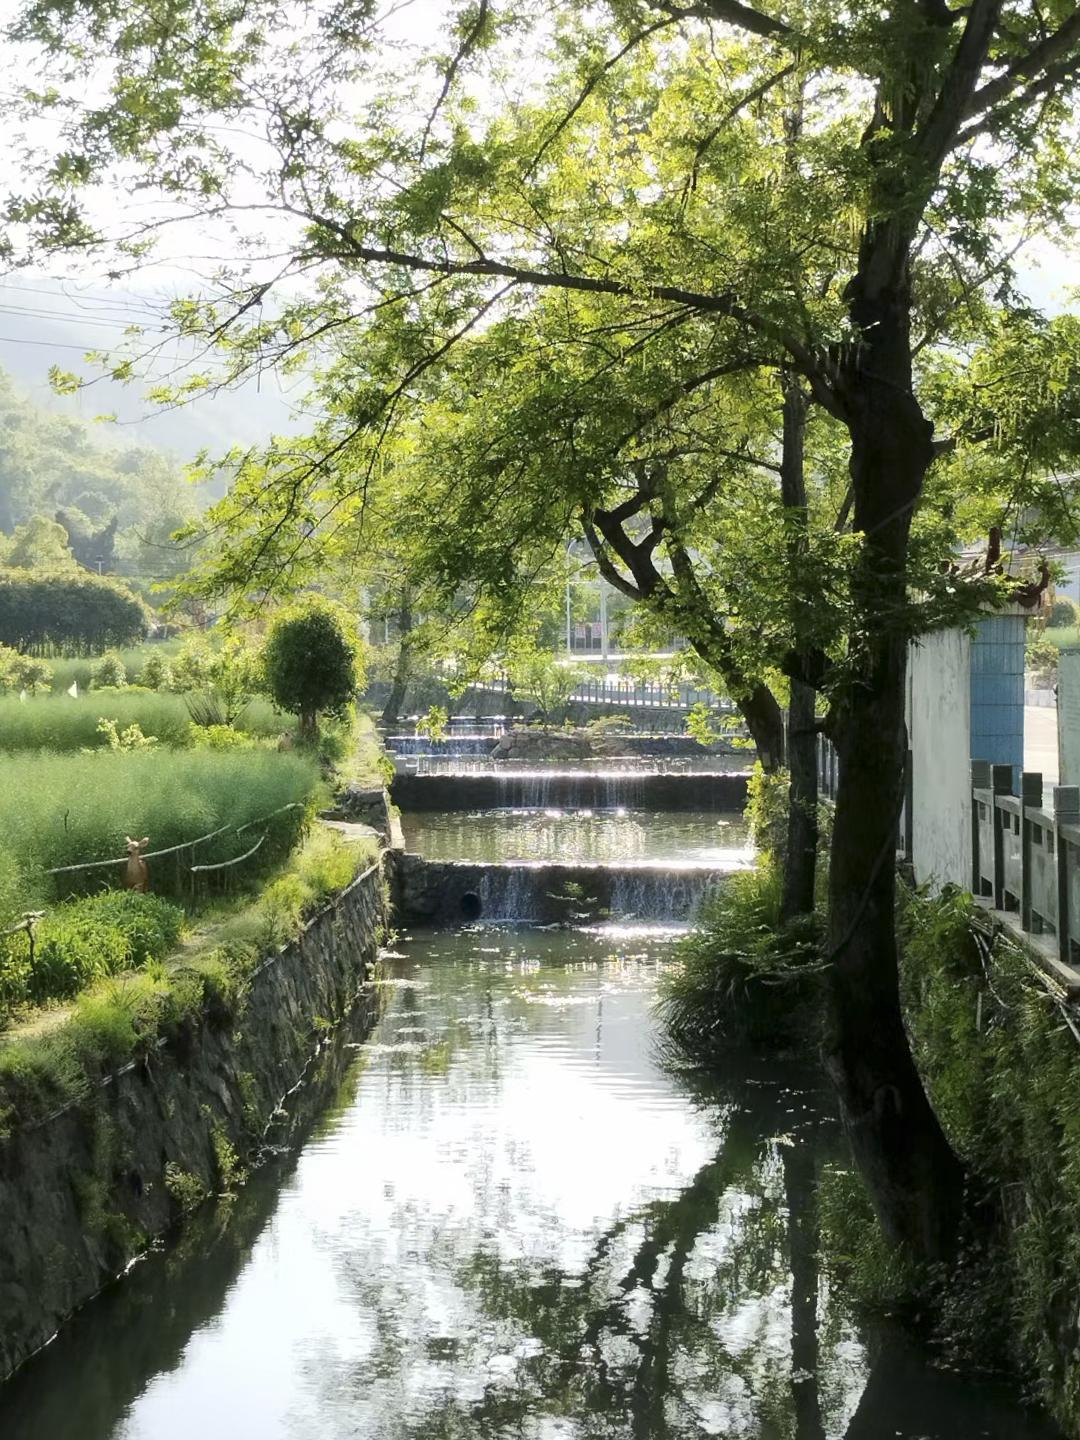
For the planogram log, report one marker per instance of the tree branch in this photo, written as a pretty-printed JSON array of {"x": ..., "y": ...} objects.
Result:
[
  {"x": 730, "y": 12},
  {"x": 1036, "y": 62},
  {"x": 938, "y": 134},
  {"x": 463, "y": 52},
  {"x": 591, "y": 84}
]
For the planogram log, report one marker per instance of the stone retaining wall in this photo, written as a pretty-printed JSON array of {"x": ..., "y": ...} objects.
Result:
[{"x": 84, "y": 1192}]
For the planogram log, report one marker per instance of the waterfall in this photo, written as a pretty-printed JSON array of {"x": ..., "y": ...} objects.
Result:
[{"x": 453, "y": 891}]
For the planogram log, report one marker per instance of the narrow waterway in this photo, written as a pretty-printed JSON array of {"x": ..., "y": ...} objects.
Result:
[{"x": 517, "y": 1221}]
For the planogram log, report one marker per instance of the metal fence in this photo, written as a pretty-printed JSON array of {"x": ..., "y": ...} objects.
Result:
[{"x": 635, "y": 696}]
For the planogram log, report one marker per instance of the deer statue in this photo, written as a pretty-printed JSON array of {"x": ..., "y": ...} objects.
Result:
[{"x": 136, "y": 873}]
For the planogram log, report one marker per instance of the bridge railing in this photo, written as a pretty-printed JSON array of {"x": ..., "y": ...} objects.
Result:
[{"x": 1025, "y": 856}]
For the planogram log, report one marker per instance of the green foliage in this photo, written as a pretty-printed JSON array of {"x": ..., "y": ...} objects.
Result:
[
  {"x": 608, "y": 726},
  {"x": 435, "y": 723},
  {"x": 82, "y": 941},
  {"x": 53, "y": 460},
  {"x": 1041, "y": 657},
  {"x": 22, "y": 672},
  {"x": 40, "y": 544},
  {"x": 1000, "y": 1065},
  {"x": 130, "y": 738},
  {"x": 67, "y": 613},
  {"x": 185, "y": 1189},
  {"x": 312, "y": 659},
  {"x": 220, "y": 737},
  {"x": 540, "y": 677},
  {"x": 704, "y": 724},
  {"x": 1063, "y": 612},
  {"x": 155, "y": 673},
  {"x": 108, "y": 672},
  {"x": 739, "y": 976},
  {"x": 767, "y": 812}
]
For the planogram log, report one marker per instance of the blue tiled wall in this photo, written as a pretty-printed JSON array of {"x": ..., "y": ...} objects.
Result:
[{"x": 997, "y": 692}]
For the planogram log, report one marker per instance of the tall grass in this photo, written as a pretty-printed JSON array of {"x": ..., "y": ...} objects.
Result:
[
  {"x": 58, "y": 722},
  {"x": 65, "y": 809}
]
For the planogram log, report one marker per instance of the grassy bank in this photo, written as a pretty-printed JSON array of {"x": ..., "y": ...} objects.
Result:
[
  {"x": 1000, "y": 1061},
  {"x": 174, "y": 976}
]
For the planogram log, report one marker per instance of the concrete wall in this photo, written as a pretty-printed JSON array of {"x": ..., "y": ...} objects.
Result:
[
  {"x": 85, "y": 1191},
  {"x": 997, "y": 691},
  {"x": 939, "y": 724}
]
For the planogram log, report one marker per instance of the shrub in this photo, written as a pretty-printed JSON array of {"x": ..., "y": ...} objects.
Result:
[
  {"x": 220, "y": 737},
  {"x": 150, "y": 925},
  {"x": 22, "y": 672},
  {"x": 155, "y": 673},
  {"x": 311, "y": 660},
  {"x": 109, "y": 672},
  {"x": 1042, "y": 657},
  {"x": 130, "y": 738},
  {"x": 739, "y": 976},
  {"x": 1063, "y": 612},
  {"x": 86, "y": 940},
  {"x": 70, "y": 950}
]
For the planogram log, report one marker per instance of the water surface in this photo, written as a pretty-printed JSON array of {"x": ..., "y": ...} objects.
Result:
[
  {"x": 608, "y": 837},
  {"x": 517, "y": 1222}
]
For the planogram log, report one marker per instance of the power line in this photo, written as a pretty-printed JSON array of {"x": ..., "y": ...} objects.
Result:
[{"x": 62, "y": 317}]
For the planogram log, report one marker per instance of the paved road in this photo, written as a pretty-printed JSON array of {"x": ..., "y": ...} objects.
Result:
[{"x": 1040, "y": 742}]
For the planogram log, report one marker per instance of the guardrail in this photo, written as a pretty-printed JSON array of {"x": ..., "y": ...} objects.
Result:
[
  {"x": 635, "y": 696},
  {"x": 1026, "y": 856}
]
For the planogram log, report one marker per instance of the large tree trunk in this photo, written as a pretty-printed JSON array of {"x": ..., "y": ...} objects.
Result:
[
  {"x": 765, "y": 723},
  {"x": 800, "y": 869},
  {"x": 403, "y": 665},
  {"x": 915, "y": 1180},
  {"x": 797, "y": 896}
]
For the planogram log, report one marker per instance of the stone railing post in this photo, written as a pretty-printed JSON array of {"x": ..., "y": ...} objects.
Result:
[
  {"x": 1031, "y": 788},
  {"x": 1001, "y": 783},
  {"x": 980, "y": 780},
  {"x": 1066, "y": 812}
]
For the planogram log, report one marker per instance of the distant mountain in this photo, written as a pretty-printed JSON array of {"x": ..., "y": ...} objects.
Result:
[{"x": 45, "y": 323}]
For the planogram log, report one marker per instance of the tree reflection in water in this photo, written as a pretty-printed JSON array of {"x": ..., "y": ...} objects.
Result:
[{"x": 517, "y": 1224}]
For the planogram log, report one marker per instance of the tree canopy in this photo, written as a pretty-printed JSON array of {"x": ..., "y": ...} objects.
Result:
[{"x": 729, "y": 290}]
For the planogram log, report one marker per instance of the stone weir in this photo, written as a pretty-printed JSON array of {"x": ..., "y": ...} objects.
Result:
[
  {"x": 85, "y": 1190},
  {"x": 454, "y": 892},
  {"x": 570, "y": 789}
]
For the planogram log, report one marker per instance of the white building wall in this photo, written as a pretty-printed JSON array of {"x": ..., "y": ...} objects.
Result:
[{"x": 939, "y": 736}]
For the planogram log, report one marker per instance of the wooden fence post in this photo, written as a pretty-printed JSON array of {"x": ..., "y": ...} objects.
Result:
[
  {"x": 1066, "y": 812},
  {"x": 1031, "y": 787}
]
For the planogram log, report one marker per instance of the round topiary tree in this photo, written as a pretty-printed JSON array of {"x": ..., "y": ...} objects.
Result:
[
  {"x": 1063, "y": 612},
  {"x": 311, "y": 661}
]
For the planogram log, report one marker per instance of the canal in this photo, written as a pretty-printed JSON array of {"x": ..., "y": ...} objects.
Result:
[{"x": 517, "y": 1219}]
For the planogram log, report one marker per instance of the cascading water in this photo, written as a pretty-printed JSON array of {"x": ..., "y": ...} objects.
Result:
[{"x": 630, "y": 837}]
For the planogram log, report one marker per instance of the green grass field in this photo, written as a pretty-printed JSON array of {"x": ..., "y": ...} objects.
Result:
[
  {"x": 67, "y": 809},
  {"x": 57, "y": 722}
]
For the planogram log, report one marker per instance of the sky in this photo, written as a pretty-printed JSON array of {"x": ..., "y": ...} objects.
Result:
[{"x": 52, "y": 315}]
